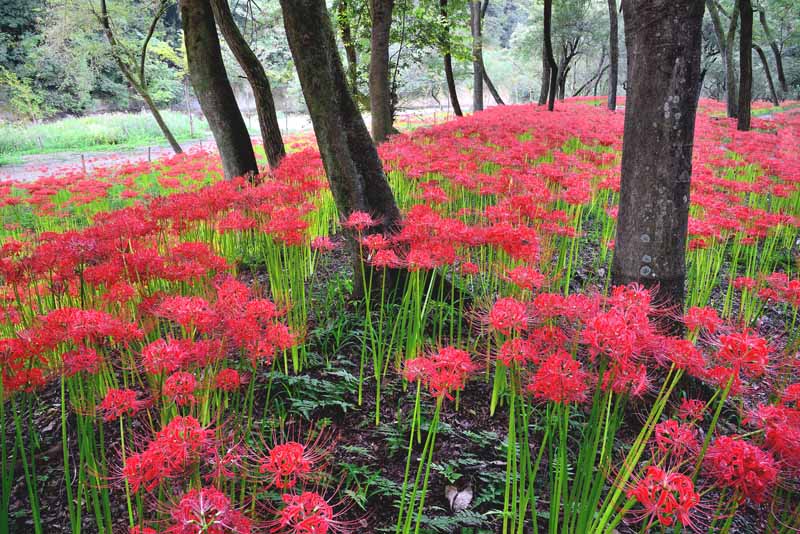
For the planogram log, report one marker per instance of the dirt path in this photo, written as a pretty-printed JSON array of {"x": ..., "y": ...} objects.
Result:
[{"x": 37, "y": 165}]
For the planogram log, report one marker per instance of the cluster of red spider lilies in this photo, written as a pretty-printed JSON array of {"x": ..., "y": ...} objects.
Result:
[{"x": 124, "y": 297}]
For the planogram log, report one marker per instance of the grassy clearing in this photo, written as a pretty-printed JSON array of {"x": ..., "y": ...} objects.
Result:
[{"x": 105, "y": 131}]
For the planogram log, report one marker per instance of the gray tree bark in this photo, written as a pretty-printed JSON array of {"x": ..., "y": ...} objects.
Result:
[
  {"x": 213, "y": 89},
  {"x": 477, "y": 55},
  {"x": 773, "y": 94},
  {"x": 257, "y": 77},
  {"x": 545, "y": 88},
  {"x": 776, "y": 51},
  {"x": 663, "y": 39},
  {"x": 725, "y": 41},
  {"x": 380, "y": 92}
]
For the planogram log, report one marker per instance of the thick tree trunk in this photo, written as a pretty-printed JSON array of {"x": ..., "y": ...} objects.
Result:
[
  {"x": 477, "y": 55},
  {"x": 551, "y": 60},
  {"x": 448, "y": 60},
  {"x": 776, "y": 51},
  {"x": 343, "y": 20},
  {"x": 613, "y": 43},
  {"x": 773, "y": 94},
  {"x": 213, "y": 90},
  {"x": 745, "y": 65},
  {"x": 380, "y": 92},
  {"x": 351, "y": 162},
  {"x": 663, "y": 39},
  {"x": 265, "y": 105},
  {"x": 545, "y": 89}
]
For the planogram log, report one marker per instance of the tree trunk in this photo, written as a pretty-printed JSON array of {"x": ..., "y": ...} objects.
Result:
[
  {"x": 663, "y": 40},
  {"x": 613, "y": 43},
  {"x": 265, "y": 105},
  {"x": 139, "y": 85},
  {"x": 488, "y": 81},
  {"x": 213, "y": 90},
  {"x": 776, "y": 51},
  {"x": 543, "y": 92},
  {"x": 448, "y": 60},
  {"x": 492, "y": 89},
  {"x": 551, "y": 60},
  {"x": 380, "y": 93},
  {"x": 343, "y": 20},
  {"x": 745, "y": 65},
  {"x": 730, "y": 65},
  {"x": 772, "y": 92},
  {"x": 351, "y": 162},
  {"x": 477, "y": 55}
]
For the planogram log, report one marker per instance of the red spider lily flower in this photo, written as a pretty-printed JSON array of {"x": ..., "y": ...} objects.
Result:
[
  {"x": 81, "y": 360},
  {"x": 734, "y": 463},
  {"x": 359, "y": 221},
  {"x": 560, "y": 379},
  {"x": 228, "y": 380},
  {"x": 667, "y": 497},
  {"x": 207, "y": 511},
  {"x": 691, "y": 409},
  {"x": 744, "y": 351},
  {"x": 518, "y": 351},
  {"x": 287, "y": 463},
  {"x": 525, "y": 278},
  {"x": 507, "y": 315},
  {"x": 386, "y": 259},
  {"x": 791, "y": 395},
  {"x": 374, "y": 242},
  {"x": 306, "y": 513},
  {"x": 469, "y": 268},
  {"x": 676, "y": 440},
  {"x": 705, "y": 318},
  {"x": 684, "y": 355},
  {"x": 188, "y": 312},
  {"x": 163, "y": 356},
  {"x": 323, "y": 244},
  {"x": 177, "y": 447},
  {"x": 744, "y": 282},
  {"x": 443, "y": 372},
  {"x": 781, "y": 425},
  {"x": 119, "y": 402},
  {"x": 180, "y": 387}
]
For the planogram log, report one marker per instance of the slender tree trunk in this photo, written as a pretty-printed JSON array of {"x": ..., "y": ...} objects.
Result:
[
  {"x": 477, "y": 55},
  {"x": 730, "y": 65},
  {"x": 343, "y": 20},
  {"x": 213, "y": 90},
  {"x": 543, "y": 92},
  {"x": 746, "y": 65},
  {"x": 351, "y": 162},
  {"x": 663, "y": 40},
  {"x": 776, "y": 51},
  {"x": 486, "y": 79},
  {"x": 613, "y": 43},
  {"x": 772, "y": 92},
  {"x": 492, "y": 89},
  {"x": 265, "y": 105},
  {"x": 140, "y": 86},
  {"x": 551, "y": 60},
  {"x": 448, "y": 60},
  {"x": 380, "y": 92}
]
